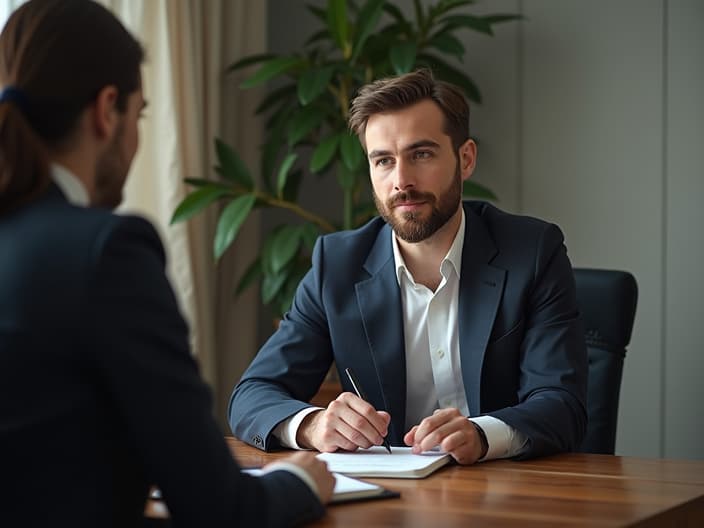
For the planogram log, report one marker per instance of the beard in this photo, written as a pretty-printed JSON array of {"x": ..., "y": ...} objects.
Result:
[
  {"x": 410, "y": 225},
  {"x": 111, "y": 172}
]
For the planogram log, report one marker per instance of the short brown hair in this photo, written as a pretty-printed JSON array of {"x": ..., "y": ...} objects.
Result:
[
  {"x": 396, "y": 93},
  {"x": 55, "y": 57}
]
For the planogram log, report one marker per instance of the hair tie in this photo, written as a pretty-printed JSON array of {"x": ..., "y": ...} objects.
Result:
[{"x": 14, "y": 95}]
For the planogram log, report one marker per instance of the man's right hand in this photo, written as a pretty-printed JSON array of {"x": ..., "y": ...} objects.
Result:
[
  {"x": 348, "y": 423},
  {"x": 318, "y": 471}
]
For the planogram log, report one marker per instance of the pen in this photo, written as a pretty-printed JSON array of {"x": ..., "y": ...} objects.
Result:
[{"x": 358, "y": 389}]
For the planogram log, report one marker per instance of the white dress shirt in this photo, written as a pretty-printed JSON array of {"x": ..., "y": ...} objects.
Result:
[
  {"x": 433, "y": 369},
  {"x": 72, "y": 188}
]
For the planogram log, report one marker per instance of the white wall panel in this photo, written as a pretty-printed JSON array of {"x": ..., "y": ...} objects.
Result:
[
  {"x": 684, "y": 295},
  {"x": 592, "y": 162}
]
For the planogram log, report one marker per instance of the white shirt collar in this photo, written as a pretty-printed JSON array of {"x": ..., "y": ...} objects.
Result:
[
  {"x": 454, "y": 255},
  {"x": 72, "y": 188}
]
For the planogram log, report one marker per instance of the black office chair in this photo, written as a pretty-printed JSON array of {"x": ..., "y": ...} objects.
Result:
[{"x": 607, "y": 300}]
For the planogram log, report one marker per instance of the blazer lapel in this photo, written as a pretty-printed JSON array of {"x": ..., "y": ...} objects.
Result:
[
  {"x": 481, "y": 286},
  {"x": 379, "y": 300}
]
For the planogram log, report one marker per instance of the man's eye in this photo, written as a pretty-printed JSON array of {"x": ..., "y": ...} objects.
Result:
[
  {"x": 382, "y": 162},
  {"x": 422, "y": 154}
]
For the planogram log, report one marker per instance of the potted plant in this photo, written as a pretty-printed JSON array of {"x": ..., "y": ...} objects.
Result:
[{"x": 306, "y": 123}]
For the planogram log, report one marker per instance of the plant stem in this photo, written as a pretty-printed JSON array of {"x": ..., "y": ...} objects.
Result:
[
  {"x": 348, "y": 206},
  {"x": 298, "y": 210}
]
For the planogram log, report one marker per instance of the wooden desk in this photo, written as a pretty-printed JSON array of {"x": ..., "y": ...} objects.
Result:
[{"x": 563, "y": 490}]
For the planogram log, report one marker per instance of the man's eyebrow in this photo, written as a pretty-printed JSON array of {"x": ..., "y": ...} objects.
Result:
[
  {"x": 376, "y": 153},
  {"x": 417, "y": 144},
  {"x": 422, "y": 143}
]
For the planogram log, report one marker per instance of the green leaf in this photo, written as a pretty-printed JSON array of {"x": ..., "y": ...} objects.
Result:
[
  {"x": 250, "y": 275},
  {"x": 498, "y": 19},
  {"x": 468, "y": 21},
  {"x": 275, "y": 140},
  {"x": 403, "y": 56},
  {"x": 403, "y": 24},
  {"x": 444, "y": 6},
  {"x": 231, "y": 165},
  {"x": 337, "y": 22},
  {"x": 271, "y": 69},
  {"x": 477, "y": 190},
  {"x": 247, "y": 61},
  {"x": 312, "y": 83},
  {"x": 203, "y": 182},
  {"x": 367, "y": 21},
  {"x": 351, "y": 151},
  {"x": 447, "y": 73},
  {"x": 276, "y": 97},
  {"x": 288, "y": 292},
  {"x": 196, "y": 202},
  {"x": 448, "y": 43},
  {"x": 323, "y": 153},
  {"x": 284, "y": 169},
  {"x": 231, "y": 219},
  {"x": 420, "y": 16},
  {"x": 318, "y": 12},
  {"x": 302, "y": 124},
  {"x": 293, "y": 184},
  {"x": 284, "y": 247},
  {"x": 309, "y": 234},
  {"x": 272, "y": 284}
]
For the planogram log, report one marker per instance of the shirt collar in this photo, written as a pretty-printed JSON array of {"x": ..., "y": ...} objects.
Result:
[
  {"x": 72, "y": 188},
  {"x": 454, "y": 255}
]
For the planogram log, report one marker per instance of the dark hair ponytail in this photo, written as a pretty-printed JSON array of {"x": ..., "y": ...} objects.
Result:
[
  {"x": 55, "y": 57},
  {"x": 24, "y": 164}
]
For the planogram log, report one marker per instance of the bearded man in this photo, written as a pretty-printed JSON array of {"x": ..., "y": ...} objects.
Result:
[{"x": 459, "y": 320}]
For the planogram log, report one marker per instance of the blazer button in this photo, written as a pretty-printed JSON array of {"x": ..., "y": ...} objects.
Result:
[{"x": 258, "y": 441}]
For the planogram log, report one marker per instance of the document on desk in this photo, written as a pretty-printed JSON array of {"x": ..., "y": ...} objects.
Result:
[
  {"x": 348, "y": 489},
  {"x": 377, "y": 462}
]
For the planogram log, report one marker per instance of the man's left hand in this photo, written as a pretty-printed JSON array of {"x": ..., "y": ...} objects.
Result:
[{"x": 449, "y": 429}]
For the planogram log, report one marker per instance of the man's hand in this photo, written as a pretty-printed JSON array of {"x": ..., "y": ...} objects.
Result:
[
  {"x": 452, "y": 431},
  {"x": 348, "y": 423},
  {"x": 318, "y": 471}
]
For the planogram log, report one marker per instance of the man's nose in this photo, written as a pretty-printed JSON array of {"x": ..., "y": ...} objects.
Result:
[{"x": 404, "y": 176}]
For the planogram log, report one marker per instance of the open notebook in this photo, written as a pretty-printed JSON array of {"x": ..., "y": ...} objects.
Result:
[{"x": 377, "y": 462}]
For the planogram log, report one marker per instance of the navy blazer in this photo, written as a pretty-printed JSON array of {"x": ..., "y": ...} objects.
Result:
[
  {"x": 99, "y": 395},
  {"x": 522, "y": 349}
]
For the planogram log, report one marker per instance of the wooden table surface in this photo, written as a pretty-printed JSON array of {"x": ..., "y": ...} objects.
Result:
[{"x": 562, "y": 490}]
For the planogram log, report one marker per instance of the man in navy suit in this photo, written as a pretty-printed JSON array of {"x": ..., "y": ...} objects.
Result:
[
  {"x": 459, "y": 320},
  {"x": 99, "y": 395}
]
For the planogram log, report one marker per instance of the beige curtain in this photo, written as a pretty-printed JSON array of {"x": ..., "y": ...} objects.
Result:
[{"x": 191, "y": 100}]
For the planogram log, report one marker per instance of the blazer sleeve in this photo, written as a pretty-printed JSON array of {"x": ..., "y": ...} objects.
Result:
[
  {"x": 144, "y": 362},
  {"x": 551, "y": 409},
  {"x": 291, "y": 363}
]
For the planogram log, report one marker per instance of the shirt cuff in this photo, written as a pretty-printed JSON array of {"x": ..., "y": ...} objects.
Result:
[
  {"x": 286, "y": 431},
  {"x": 296, "y": 470},
  {"x": 504, "y": 441}
]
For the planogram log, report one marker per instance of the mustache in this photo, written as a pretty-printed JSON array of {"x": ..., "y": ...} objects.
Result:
[{"x": 410, "y": 195}]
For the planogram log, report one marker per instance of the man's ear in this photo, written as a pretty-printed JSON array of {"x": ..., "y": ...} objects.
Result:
[
  {"x": 105, "y": 114},
  {"x": 468, "y": 158}
]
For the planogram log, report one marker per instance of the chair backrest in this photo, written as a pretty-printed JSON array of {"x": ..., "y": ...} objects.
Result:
[{"x": 607, "y": 301}]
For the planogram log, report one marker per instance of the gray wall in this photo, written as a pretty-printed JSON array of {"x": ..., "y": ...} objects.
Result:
[{"x": 593, "y": 118}]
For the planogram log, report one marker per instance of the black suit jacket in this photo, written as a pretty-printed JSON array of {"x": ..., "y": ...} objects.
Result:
[
  {"x": 99, "y": 395},
  {"x": 522, "y": 347}
]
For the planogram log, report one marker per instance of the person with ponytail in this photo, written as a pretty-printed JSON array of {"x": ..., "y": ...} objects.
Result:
[{"x": 100, "y": 398}]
